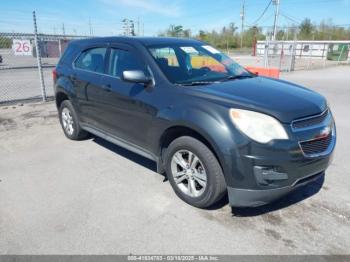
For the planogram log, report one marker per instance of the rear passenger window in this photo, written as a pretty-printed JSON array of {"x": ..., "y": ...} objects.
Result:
[
  {"x": 121, "y": 60},
  {"x": 92, "y": 60}
]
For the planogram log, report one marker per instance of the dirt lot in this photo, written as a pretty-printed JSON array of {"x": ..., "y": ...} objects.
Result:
[{"x": 63, "y": 197}]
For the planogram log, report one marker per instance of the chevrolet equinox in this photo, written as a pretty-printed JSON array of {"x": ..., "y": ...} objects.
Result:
[{"x": 212, "y": 126}]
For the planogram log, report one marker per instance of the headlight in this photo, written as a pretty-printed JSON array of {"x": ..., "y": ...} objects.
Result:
[{"x": 259, "y": 127}]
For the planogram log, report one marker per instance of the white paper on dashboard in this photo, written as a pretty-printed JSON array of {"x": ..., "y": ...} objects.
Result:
[
  {"x": 211, "y": 49},
  {"x": 189, "y": 49}
]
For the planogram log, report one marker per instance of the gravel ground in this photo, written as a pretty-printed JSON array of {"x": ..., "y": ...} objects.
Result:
[{"x": 91, "y": 197}]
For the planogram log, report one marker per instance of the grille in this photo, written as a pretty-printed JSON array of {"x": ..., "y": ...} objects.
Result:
[
  {"x": 316, "y": 146},
  {"x": 310, "y": 121}
]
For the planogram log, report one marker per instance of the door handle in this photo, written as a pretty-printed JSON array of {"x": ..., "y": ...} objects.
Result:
[{"x": 107, "y": 87}]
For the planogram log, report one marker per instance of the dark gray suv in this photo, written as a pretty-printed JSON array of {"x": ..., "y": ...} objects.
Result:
[{"x": 213, "y": 127}]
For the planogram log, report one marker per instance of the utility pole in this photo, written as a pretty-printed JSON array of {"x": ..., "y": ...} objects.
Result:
[
  {"x": 242, "y": 22},
  {"x": 90, "y": 27},
  {"x": 126, "y": 27},
  {"x": 277, "y": 10},
  {"x": 132, "y": 28},
  {"x": 138, "y": 26},
  {"x": 63, "y": 30}
]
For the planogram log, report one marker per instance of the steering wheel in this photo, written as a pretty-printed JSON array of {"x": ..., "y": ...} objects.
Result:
[{"x": 206, "y": 69}]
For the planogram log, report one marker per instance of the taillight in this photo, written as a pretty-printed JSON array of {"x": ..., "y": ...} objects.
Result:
[{"x": 54, "y": 75}]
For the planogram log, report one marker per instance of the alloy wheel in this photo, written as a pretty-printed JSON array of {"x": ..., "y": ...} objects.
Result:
[
  {"x": 67, "y": 121},
  {"x": 189, "y": 173}
]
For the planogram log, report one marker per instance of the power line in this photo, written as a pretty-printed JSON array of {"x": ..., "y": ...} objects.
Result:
[
  {"x": 263, "y": 13},
  {"x": 289, "y": 18}
]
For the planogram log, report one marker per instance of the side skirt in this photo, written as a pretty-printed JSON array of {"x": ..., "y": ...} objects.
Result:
[{"x": 124, "y": 144}]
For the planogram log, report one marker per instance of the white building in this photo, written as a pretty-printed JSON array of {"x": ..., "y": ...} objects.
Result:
[{"x": 303, "y": 49}]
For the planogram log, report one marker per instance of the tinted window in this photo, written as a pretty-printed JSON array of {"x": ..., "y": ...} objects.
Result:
[
  {"x": 121, "y": 60},
  {"x": 165, "y": 55},
  {"x": 92, "y": 60}
]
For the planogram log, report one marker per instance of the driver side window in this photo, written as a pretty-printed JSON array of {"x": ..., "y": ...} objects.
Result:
[
  {"x": 122, "y": 60},
  {"x": 165, "y": 56}
]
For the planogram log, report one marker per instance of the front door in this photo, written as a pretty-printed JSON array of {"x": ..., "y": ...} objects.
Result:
[{"x": 127, "y": 107}]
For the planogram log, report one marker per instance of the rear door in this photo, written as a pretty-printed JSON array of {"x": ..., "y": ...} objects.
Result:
[
  {"x": 128, "y": 106},
  {"x": 89, "y": 67}
]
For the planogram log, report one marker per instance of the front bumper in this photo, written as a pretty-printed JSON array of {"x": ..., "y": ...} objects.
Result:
[
  {"x": 253, "y": 198},
  {"x": 262, "y": 173}
]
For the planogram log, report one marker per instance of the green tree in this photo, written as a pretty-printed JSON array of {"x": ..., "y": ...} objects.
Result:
[
  {"x": 280, "y": 35},
  {"x": 227, "y": 37},
  {"x": 306, "y": 29},
  {"x": 202, "y": 35},
  {"x": 5, "y": 42}
]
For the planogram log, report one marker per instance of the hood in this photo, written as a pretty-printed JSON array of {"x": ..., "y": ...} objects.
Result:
[{"x": 283, "y": 100}]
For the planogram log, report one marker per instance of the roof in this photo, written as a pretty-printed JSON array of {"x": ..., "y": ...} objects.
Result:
[{"x": 147, "y": 41}]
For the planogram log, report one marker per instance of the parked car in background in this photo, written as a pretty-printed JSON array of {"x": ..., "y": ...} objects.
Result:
[{"x": 211, "y": 125}]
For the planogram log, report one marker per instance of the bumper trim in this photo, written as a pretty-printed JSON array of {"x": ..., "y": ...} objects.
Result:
[{"x": 252, "y": 198}]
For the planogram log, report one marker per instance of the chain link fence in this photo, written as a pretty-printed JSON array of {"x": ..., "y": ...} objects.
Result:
[
  {"x": 25, "y": 77},
  {"x": 20, "y": 68},
  {"x": 302, "y": 55}
]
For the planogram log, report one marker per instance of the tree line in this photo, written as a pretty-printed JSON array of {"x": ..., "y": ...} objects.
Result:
[{"x": 230, "y": 37}]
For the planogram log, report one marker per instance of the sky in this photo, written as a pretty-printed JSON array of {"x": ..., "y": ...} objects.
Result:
[{"x": 105, "y": 16}]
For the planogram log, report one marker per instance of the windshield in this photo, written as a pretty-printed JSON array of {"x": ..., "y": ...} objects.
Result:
[{"x": 192, "y": 64}]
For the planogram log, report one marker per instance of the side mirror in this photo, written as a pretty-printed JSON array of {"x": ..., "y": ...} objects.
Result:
[{"x": 136, "y": 76}]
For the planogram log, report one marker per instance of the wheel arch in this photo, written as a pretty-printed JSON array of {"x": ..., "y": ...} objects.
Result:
[
  {"x": 174, "y": 132},
  {"x": 60, "y": 96}
]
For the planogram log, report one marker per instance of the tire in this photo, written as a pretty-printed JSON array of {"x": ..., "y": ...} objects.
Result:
[
  {"x": 194, "y": 193},
  {"x": 69, "y": 122}
]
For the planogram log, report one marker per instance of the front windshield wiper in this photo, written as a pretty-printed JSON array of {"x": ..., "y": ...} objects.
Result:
[
  {"x": 196, "y": 83},
  {"x": 233, "y": 77}
]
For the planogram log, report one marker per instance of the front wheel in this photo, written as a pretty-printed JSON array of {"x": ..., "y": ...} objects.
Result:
[{"x": 194, "y": 172}]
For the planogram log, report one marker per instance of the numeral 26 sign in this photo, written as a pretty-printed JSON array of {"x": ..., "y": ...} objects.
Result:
[{"x": 21, "y": 47}]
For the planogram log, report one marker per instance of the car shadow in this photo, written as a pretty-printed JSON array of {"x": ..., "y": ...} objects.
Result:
[
  {"x": 138, "y": 159},
  {"x": 126, "y": 153},
  {"x": 294, "y": 197}
]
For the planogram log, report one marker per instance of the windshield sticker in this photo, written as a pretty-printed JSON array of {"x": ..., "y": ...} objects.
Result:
[
  {"x": 189, "y": 49},
  {"x": 211, "y": 49}
]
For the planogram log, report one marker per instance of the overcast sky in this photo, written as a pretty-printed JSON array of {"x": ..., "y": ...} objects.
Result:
[{"x": 157, "y": 15}]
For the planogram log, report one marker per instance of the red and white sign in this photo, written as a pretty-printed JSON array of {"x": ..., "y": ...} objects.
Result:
[{"x": 21, "y": 47}]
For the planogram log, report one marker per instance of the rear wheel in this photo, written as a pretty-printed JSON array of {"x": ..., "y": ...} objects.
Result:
[
  {"x": 194, "y": 172},
  {"x": 69, "y": 122}
]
